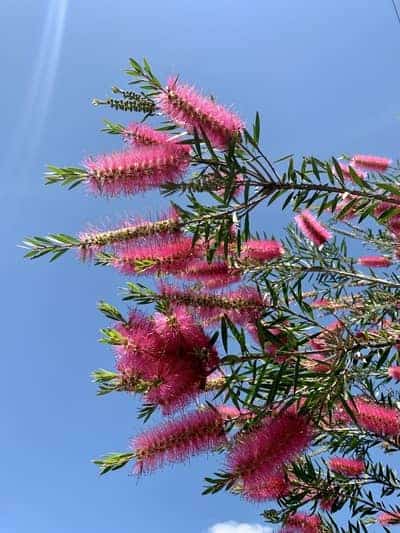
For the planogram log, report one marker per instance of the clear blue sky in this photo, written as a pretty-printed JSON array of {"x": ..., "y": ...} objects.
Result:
[{"x": 325, "y": 78}]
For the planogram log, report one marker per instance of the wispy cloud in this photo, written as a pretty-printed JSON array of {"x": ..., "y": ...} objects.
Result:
[
  {"x": 29, "y": 129},
  {"x": 235, "y": 527}
]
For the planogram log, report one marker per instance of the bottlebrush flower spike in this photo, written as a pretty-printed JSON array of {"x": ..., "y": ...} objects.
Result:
[
  {"x": 139, "y": 354},
  {"x": 256, "y": 455},
  {"x": 371, "y": 162},
  {"x": 181, "y": 332},
  {"x": 344, "y": 202},
  {"x": 140, "y": 134},
  {"x": 243, "y": 306},
  {"x": 346, "y": 171},
  {"x": 229, "y": 412},
  {"x": 302, "y": 523},
  {"x": 347, "y": 466},
  {"x": 137, "y": 170},
  {"x": 188, "y": 359},
  {"x": 160, "y": 256},
  {"x": 274, "y": 487},
  {"x": 125, "y": 236},
  {"x": 387, "y": 518},
  {"x": 212, "y": 275},
  {"x": 311, "y": 228},
  {"x": 374, "y": 261},
  {"x": 177, "y": 440},
  {"x": 261, "y": 250},
  {"x": 394, "y": 372},
  {"x": 377, "y": 419},
  {"x": 172, "y": 351},
  {"x": 382, "y": 207},
  {"x": 193, "y": 111}
]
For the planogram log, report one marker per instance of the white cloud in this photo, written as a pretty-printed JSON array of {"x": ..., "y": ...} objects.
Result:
[{"x": 235, "y": 527}]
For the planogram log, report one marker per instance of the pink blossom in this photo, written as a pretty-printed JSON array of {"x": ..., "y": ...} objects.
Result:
[
  {"x": 394, "y": 372},
  {"x": 346, "y": 466},
  {"x": 140, "y": 352},
  {"x": 137, "y": 170},
  {"x": 394, "y": 225},
  {"x": 193, "y": 111},
  {"x": 176, "y": 440},
  {"x": 159, "y": 256},
  {"x": 171, "y": 351},
  {"x": 346, "y": 171},
  {"x": 374, "y": 261},
  {"x": 256, "y": 455},
  {"x": 320, "y": 303},
  {"x": 212, "y": 275},
  {"x": 311, "y": 228},
  {"x": 377, "y": 419},
  {"x": 389, "y": 518},
  {"x": 273, "y": 487},
  {"x": 243, "y": 306},
  {"x": 261, "y": 250},
  {"x": 344, "y": 202},
  {"x": 229, "y": 412},
  {"x": 142, "y": 135},
  {"x": 371, "y": 162},
  {"x": 302, "y": 523},
  {"x": 126, "y": 235},
  {"x": 382, "y": 207}
]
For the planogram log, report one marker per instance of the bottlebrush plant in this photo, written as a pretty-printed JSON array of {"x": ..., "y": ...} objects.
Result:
[{"x": 283, "y": 354}]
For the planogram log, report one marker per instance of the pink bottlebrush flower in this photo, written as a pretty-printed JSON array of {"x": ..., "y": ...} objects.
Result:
[
  {"x": 321, "y": 303},
  {"x": 229, "y": 412},
  {"x": 256, "y": 455},
  {"x": 173, "y": 352},
  {"x": 177, "y": 440},
  {"x": 387, "y": 518},
  {"x": 311, "y": 228},
  {"x": 382, "y": 207},
  {"x": 394, "y": 225},
  {"x": 346, "y": 171},
  {"x": 181, "y": 332},
  {"x": 344, "y": 202},
  {"x": 377, "y": 419},
  {"x": 137, "y": 170},
  {"x": 160, "y": 256},
  {"x": 125, "y": 236},
  {"x": 243, "y": 306},
  {"x": 272, "y": 488},
  {"x": 374, "y": 261},
  {"x": 212, "y": 275},
  {"x": 193, "y": 111},
  {"x": 371, "y": 162},
  {"x": 143, "y": 135},
  {"x": 187, "y": 360},
  {"x": 302, "y": 523},
  {"x": 346, "y": 466},
  {"x": 140, "y": 353},
  {"x": 261, "y": 250},
  {"x": 326, "y": 504},
  {"x": 394, "y": 372},
  {"x": 181, "y": 381}
]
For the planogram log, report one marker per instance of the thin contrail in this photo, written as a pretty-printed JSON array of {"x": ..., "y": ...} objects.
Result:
[{"x": 29, "y": 129}]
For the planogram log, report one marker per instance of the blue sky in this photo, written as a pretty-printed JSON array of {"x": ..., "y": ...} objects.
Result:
[{"x": 324, "y": 77}]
